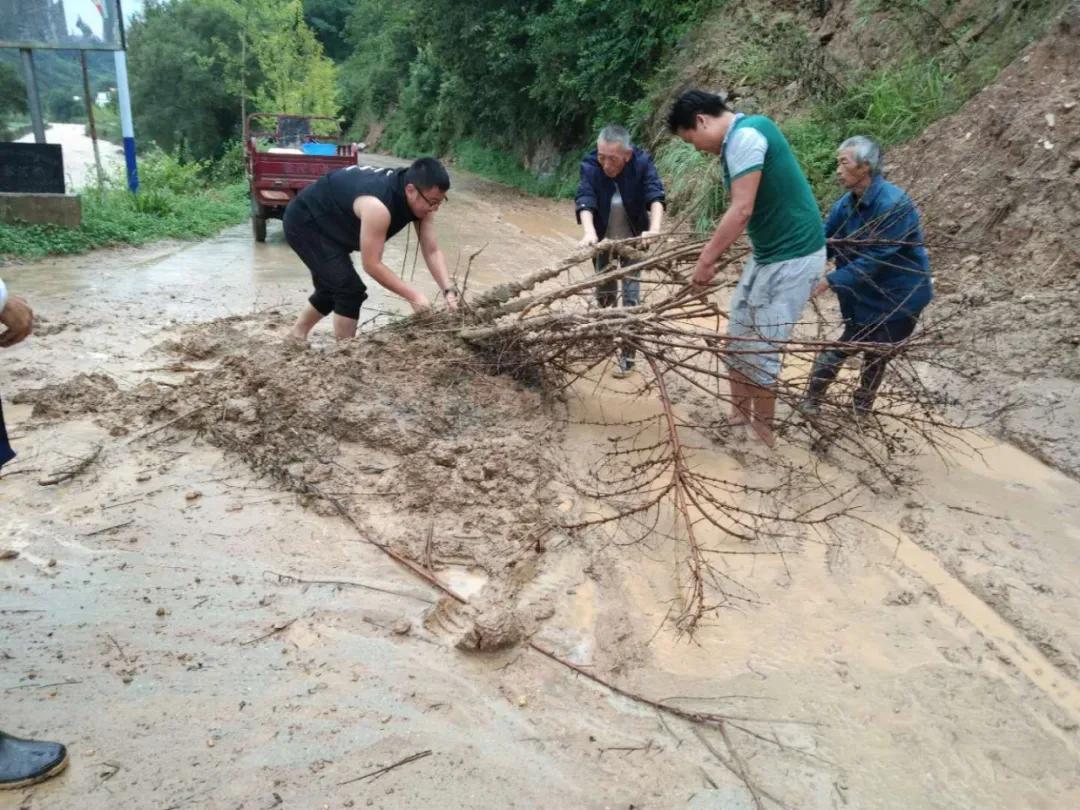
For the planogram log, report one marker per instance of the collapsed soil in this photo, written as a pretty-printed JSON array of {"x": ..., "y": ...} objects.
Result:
[
  {"x": 1000, "y": 180},
  {"x": 405, "y": 424}
]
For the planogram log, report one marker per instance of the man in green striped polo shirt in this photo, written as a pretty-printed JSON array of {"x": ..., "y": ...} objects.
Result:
[{"x": 771, "y": 200}]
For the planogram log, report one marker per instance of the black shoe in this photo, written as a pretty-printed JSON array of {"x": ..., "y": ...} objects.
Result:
[
  {"x": 624, "y": 367},
  {"x": 27, "y": 762}
]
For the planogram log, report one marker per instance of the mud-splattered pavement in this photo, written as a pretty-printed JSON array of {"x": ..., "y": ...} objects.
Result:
[{"x": 155, "y": 618}]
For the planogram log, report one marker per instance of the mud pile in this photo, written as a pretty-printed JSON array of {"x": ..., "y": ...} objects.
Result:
[
  {"x": 403, "y": 430},
  {"x": 1002, "y": 178},
  {"x": 84, "y": 393}
]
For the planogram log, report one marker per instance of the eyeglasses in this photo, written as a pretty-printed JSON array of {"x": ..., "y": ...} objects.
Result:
[{"x": 434, "y": 206}]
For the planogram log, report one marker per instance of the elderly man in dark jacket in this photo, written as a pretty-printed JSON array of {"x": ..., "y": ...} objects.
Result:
[
  {"x": 620, "y": 195},
  {"x": 882, "y": 277}
]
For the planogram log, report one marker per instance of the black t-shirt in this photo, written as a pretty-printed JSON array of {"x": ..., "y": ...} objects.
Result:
[{"x": 328, "y": 202}]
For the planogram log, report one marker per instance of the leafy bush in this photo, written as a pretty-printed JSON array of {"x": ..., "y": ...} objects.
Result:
[
  {"x": 174, "y": 202},
  {"x": 502, "y": 167},
  {"x": 161, "y": 171}
]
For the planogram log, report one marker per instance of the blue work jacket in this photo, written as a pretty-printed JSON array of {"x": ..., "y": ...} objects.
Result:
[
  {"x": 639, "y": 184},
  {"x": 882, "y": 267}
]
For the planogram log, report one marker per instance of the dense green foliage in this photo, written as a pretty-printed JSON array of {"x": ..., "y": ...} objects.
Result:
[
  {"x": 177, "y": 200},
  {"x": 197, "y": 66},
  {"x": 515, "y": 90},
  {"x": 59, "y": 79},
  {"x": 511, "y": 75},
  {"x": 12, "y": 97}
]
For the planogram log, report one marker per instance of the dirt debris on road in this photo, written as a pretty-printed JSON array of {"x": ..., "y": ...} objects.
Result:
[{"x": 882, "y": 661}]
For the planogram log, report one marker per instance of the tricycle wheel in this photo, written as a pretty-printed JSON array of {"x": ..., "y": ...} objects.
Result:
[
  {"x": 258, "y": 228},
  {"x": 258, "y": 221}
]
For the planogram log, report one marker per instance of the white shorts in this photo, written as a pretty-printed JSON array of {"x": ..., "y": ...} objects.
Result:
[{"x": 766, "y": 305}]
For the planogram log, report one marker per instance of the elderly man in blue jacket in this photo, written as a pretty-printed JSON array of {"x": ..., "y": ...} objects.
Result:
[
  {"x": 620, "y": 195},
  {"x": 882, "y": 277}
]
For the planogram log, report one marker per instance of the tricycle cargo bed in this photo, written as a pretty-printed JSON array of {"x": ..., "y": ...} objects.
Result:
[{"x": 284, "y": 159}]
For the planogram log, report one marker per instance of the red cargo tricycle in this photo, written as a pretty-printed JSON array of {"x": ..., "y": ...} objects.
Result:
[{"x": 286, "y": 153}]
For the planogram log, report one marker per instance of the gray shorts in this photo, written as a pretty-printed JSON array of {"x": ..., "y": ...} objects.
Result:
[{"x": 766, "y": 305}]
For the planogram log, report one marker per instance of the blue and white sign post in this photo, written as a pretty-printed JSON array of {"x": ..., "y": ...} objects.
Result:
[{"x": 126, "y": 128}]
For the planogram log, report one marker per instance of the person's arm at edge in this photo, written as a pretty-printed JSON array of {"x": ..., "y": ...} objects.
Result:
[{"x": 16, "y": 316}]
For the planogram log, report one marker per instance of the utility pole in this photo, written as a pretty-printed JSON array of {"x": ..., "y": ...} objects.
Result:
[
  {"x": 30, "y": 77},
  {"x": 90, "y": 118}
]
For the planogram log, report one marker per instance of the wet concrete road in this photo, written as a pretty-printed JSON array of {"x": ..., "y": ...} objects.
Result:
[{"x": 149, "y": 630}]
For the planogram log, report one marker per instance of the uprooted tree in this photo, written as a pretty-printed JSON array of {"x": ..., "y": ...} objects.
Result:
[{"x": 547, "y": 328}]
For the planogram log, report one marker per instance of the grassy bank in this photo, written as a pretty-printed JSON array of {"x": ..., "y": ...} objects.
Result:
[
  {"x": 501, "y": 167},
  {"x": 175, "y": 201},
  {"x": 927, "y": 69}
]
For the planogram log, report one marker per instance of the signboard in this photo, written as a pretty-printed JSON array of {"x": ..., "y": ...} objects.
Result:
[
  {"x": 90, "y": 25},
  {"x": 31, "y": 168}
]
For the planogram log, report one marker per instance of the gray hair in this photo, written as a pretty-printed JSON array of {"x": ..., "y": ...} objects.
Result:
[
  {"x": 866, "y": 150},
  {"x": 613, "y": 133}
]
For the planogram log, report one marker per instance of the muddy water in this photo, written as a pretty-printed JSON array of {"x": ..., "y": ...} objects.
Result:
[
  {"x": 937, "y": 671},
  {"x": 875, "y": 634}
]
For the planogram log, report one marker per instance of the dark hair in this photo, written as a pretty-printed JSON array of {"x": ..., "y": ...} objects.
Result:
[
  {"x": 427, "y": 172},
  {"x": 691, "y": 104}
]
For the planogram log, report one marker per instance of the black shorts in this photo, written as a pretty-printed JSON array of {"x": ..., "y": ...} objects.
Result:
[{"x": 338, "y": 287}]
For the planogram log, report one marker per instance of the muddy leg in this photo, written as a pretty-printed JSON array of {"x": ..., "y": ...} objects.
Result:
[
  {"x": 741, "y": 403},
  {"x": 344, "y": 328},
  {"x": 306, "y": 322},
  {"x": 764, "y": 408}
]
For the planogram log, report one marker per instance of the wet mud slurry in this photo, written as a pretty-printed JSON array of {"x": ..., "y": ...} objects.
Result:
[{"x": 195, "y": 618}]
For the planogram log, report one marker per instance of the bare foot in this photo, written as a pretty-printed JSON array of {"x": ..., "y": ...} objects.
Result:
[
  {"x": 295, "y": 342},
  {"x": 763, "y": 432},
  {"x": 736, "y": 417}
]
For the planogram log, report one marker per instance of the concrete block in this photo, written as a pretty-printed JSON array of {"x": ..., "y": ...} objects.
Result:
[{"x": 41, "y": 209}]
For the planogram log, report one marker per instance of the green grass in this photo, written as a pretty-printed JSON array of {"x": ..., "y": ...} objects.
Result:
[
  {"x": 693, "y": 183},
  {"x": 892, "y": 105},
  {"x": 833, "y": 101},
  {"x": 504, "y": 168},
  {"x": 174, "y": 202}
]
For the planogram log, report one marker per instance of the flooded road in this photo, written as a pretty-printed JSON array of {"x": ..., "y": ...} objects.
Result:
[{"x": 931, "y": 661}]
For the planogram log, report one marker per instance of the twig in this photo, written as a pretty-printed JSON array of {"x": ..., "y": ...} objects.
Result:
[
  {"x": 373, "y": 775},
  {"x": 123, "y": 503},
  {"x": 468, "y": 269},
  {"x": 286, "y": 579},
  {"x": 72, "y": 471},
  {"x": 171, "y": 422},
  {"x": 428, "y": 541},
  {"x": 41, "y": 685},
  {"x": 277, "y": 628},
  {"x": 119, "y": 649},
  {"x": 109, "y": 528}
]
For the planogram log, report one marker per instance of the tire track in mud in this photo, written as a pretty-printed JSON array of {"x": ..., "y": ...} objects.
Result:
[{"x": 1019, "y": 651}]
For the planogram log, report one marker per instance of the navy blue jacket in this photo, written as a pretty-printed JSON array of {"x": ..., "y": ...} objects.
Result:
[
  {"x": 639, "y": 184},
  {"x": 882, "y": 270}
]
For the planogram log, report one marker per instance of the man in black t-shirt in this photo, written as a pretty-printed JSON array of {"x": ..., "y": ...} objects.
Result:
[{"x": 359, "y": 208}]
